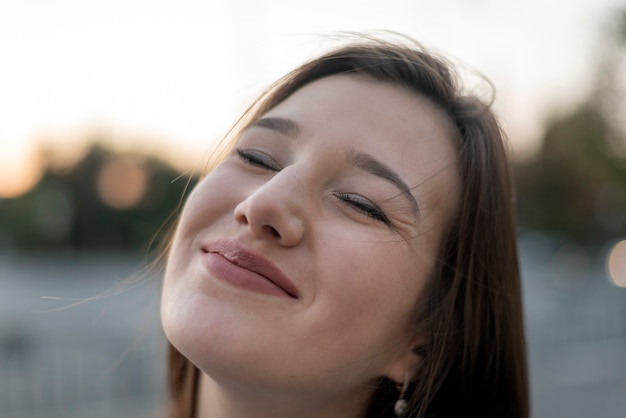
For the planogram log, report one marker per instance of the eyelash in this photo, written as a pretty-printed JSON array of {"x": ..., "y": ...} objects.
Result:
[
  {"x": 364, "y": 206},
  {"x": 357, "y": 202},
  {"x": 257, "y": 159}
]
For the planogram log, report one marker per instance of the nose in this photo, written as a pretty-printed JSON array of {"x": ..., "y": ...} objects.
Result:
[{"x": 272, "y": 212}]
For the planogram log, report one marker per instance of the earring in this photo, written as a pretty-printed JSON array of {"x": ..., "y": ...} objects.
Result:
[{"x": 401, "y": 404}]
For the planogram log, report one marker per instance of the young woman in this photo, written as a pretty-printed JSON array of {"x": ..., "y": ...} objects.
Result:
[{"x": 351, "y": 253}]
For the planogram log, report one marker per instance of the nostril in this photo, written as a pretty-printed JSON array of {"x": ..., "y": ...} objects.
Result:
[
  {"x": 271, "y": 230},
  {"x": 242, "y": 219}
]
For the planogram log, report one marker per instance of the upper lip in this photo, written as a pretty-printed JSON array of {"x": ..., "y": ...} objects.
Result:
[{"x": 251, "y": 260}]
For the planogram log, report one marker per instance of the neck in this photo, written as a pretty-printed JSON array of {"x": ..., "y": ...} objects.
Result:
[{"x": 236, "y": 401}]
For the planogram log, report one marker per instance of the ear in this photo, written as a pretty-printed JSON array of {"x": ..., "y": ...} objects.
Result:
[{"x": 406, "y": 361}]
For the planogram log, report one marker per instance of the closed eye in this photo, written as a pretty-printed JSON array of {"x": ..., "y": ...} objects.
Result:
[
  {"x": 258, "y": 159},
  {"x": 364, "y": 206}
]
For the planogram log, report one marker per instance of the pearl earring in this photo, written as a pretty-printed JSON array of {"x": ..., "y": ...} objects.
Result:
[{"x": 401, "y": 405}]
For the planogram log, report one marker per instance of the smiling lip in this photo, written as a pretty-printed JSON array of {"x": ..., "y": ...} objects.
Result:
[{"x": 229, "y": 261}]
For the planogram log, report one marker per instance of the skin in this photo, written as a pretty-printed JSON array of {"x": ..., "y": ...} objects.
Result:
[{"x": 355, "y": 245}]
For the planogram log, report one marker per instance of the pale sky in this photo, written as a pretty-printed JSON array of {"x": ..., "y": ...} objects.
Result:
[{"x": 175, "y": 74}]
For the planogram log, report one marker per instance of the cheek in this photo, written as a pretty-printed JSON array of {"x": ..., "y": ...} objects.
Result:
[
  {"x": 210, "y": 201},
  {"x": 207, "y": 208},
  {"x": 371, "y": 294},
  {"x": 196, "y": 217}
]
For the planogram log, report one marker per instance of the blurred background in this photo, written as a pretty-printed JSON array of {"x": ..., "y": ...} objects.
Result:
[{"x": 108, "y": 111}]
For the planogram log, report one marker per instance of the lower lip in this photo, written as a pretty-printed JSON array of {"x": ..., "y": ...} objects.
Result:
[{"x": 224, "y": 270}]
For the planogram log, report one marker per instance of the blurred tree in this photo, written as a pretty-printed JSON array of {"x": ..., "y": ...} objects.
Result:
[
  {"x": 576, "y": 187},
  {"x": 66, "y": 210}
]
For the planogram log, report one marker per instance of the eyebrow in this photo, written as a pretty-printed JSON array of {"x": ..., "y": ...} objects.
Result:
[
  {"x": 365, "y": 162},
  {"x": 283, "y": 126},
  {"x": 377, "y": 168}
]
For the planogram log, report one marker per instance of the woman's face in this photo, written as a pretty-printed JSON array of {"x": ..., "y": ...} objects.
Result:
[{"x": 300, "y": 261}]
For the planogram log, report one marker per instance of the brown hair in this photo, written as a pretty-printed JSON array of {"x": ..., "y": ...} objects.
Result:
[{"x": 474, "y": 362}]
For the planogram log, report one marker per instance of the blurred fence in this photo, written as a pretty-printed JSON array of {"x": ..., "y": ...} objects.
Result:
[
  {"x": 103, "y": 358},
  {"x": 576, "y": 332},
  {"x": 50, "y": 377}
]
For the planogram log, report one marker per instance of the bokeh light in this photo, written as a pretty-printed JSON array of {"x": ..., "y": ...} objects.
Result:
[
  {"x": 21, "y": 167},
  {"x": 122, "y": 183},
  {"x": 616, "y": 264}
]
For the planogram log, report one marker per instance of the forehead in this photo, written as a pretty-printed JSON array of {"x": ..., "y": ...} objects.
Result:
[
  {"x": 368, "y": 112},
  {"x": 344, "y": 100}
]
